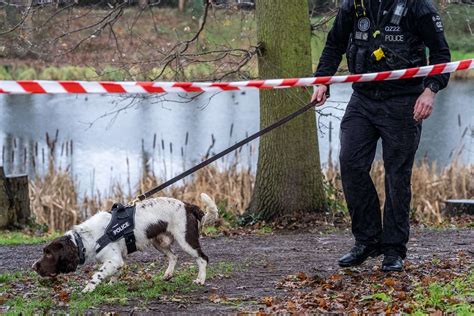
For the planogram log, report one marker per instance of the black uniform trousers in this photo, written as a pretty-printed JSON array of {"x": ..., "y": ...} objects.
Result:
[{"x": 366, "y": 121}]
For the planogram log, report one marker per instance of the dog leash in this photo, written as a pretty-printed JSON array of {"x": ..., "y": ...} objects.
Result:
[{"x": 206, "y": 162}]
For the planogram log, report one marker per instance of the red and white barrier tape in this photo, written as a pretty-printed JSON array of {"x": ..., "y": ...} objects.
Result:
[{"x": 101, "y": 87}]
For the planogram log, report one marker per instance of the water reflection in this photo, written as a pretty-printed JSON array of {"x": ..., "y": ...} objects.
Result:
[{"x": 168, "y": 137}]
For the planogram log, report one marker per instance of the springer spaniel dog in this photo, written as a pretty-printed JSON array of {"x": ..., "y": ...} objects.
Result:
[{"x": 158, "y": 223}]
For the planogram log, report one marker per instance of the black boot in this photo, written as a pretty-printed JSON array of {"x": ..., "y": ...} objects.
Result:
[
  {"x": 392, "y": 263},
  {"x": 358, "y": 255}
]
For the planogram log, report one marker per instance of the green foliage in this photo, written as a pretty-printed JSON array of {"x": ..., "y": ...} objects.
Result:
[
  {"x": 20, "y": 238},
  {"x": 228, "y": 216},
  {"x": 9, "y": 277},
  {"x": 156, "y": 73},
  {"x": 249, "y": 219},
  {"x": 210, "y": 230},
  {"x": 198, "y": 70},
  {"x": 51, "y": 73},
  {"x": 88, "y": 73},
  {"x": 452, "y": 297},
  {"x": 112, "y": 74},
  {"x": 197, "y": 7},
  {"x": 378, "y": 296},
  {"x": 26, "y": 74},
  {"x": 334, "y": 199},
  {"x": 460, "y": 55},
  {"x": 72, "y": 73},
  {"x": 264, "y": 230},
  {"x": 29, "y": 307},
  {"x": 5, "y": 73},
  {"x": 457, "y": 22}
]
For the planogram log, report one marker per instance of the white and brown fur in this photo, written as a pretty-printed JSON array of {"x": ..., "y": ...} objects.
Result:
[{"x": 158, "y": 223}]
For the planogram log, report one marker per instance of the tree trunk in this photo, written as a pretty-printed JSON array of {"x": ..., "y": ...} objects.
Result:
[
  {"x": 5, "y": 214},
  {"x": 20, "y": 199},
  {"x": 181, "y": 5},
  {"x": 289, "y": 178},
  {"x": 14, "y": 201}
]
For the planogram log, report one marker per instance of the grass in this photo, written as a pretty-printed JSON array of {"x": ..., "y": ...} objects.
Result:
[
  {"x": 460, "y": 55},
  {"x": 137, "y": 285},
  {"x": 453, "y": 297},
  {"x": 10, "y": 277},
  {"x": 264, "y": 230},
  {"x": 21, "y": 238}
]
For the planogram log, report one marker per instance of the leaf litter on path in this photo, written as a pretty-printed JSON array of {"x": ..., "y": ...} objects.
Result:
[{"x": 365, "y": 290}]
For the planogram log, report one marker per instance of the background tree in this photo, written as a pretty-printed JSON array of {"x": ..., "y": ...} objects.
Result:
[{"x": 289, "y": 175}]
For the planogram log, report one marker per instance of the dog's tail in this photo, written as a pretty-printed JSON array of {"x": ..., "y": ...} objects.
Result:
[{"x": 211, "y": 212}]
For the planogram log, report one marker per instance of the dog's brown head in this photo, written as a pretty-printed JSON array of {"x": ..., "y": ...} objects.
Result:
[{"x": 60, "y": 256}]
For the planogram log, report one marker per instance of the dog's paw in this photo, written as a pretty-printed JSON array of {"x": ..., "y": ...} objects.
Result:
[
  {"x": 199, "y": 282},
  {"x": 167, "y": 276},
  {"x": 89, "y": 288}
]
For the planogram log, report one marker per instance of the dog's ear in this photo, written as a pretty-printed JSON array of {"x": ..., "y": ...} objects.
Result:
[{"x": 68, "y": 259}]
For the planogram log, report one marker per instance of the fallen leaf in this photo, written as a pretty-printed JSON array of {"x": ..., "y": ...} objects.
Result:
[
  {"x": 389, "y": 282},
  {"x": 64, "y": 296},
  {"x": 214, "y": 298},
  {"x": 302, "y": 276},
  {"x": 323, "y": 303},
  {"x": 268, "y": 301},
  {"x": 400, "y": 295},
  {"x": 291, "y": 305}
]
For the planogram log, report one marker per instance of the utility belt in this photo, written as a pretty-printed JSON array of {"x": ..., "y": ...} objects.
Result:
[
  {"x": 363, "y": 59},
  {"x": 389, "y": 89}
]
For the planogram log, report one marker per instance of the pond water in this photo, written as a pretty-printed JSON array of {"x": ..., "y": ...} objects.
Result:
[{"x": 167, "y": 136}]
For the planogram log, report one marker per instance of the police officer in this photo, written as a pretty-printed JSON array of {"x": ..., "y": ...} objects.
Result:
[{"x": 379, "y": 35}]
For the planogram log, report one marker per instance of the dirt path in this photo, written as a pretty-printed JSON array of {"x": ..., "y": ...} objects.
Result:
[{"x": 262, "y": 261}]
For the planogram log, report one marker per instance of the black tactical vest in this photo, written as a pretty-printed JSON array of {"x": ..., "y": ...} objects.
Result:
[{"x": 383, "y": 39}]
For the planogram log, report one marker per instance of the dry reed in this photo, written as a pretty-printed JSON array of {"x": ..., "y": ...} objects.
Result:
[
  {"x": 55, "y": 200},
  {"x": 431, "y": 186}
]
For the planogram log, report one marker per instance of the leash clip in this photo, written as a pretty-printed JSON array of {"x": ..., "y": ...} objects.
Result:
[{"x": 134, "y": 201}]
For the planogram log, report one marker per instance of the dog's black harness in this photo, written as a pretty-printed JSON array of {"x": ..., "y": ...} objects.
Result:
[{"x": 121, "y": 226}]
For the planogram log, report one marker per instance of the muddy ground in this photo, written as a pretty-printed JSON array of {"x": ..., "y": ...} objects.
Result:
[{"x": 260, "y": 262}]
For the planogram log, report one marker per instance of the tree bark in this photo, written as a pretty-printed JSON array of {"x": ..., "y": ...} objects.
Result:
[
  {"x": 20, "y": 200},
  {"x": 289, "y": 177},
  {"x": 14, "y": 201},
  {"x": 5, "y": 214},
  {"x": 181, "y": 5}
]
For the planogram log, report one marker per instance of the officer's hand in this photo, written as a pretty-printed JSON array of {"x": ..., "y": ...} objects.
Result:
[
  {"x": 424, "y": 105},
  {"x": 319, "y": 95}
]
